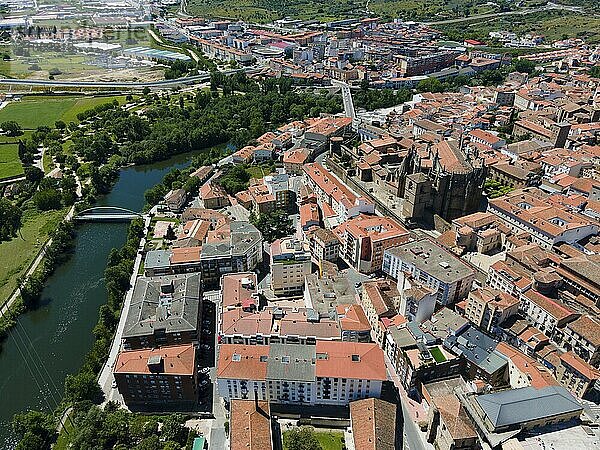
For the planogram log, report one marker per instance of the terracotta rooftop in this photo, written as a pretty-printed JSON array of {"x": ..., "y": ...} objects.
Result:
[
  {"x": 588, "y": 328},
  {"x": 238, "y": 288},
  {"x": 588, "y": 371},
  {"x": 242, "y": 362},
  {"x": 251, "y": 422},
  {"x": 373, "y": 424},
  {"x": 362, "y": 361},
  {"x": 174, "y": 360},
  {"x": 552, "y": 307},
  {"x": 537, "y": 374}
]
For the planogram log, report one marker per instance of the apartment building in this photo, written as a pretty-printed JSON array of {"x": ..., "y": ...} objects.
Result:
[
  {"x": 478, "y": 350},
  {"x": 417, "y": 301},
  {"x": 328, "y": 373},
  {"x": 251, "y": 421},
  {"x": 576, "y": 375},
  {"x": 380, "y": 300},
  {"x": 294, "y": 159},
  {"x": 331, "y": 191},
  {"x": 364, "y": 239},
  {"x": 488, "y": 308},
  {"x": 163, "y": 311},
  {"x": 278, "y": 185},
  {"x": 213, "y": 196},
  {"x": 234, "y": 247},
  {"x": 373, "y": 424},
  {"x": 290, "y": 264},
  {"x": 547, "y": 315},
  {"x": 433, "y": 266},
  {"x": 449, "y": 426},
  {"x": 509, "y": 279},
  {"x": 324, "y": 245},
  {"x": 157, "y": 376},
  {"x": 582, "y": 336},
  {"x": 527, "y": 210}
]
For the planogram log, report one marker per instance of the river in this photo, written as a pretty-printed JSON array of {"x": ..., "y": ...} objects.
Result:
[{"x": 52, "y": 341}]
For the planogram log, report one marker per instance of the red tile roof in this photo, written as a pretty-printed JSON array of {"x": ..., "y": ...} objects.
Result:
[
  {"x": 176, "y": 360},
  {"x": 249, "y": 363},
  {"x": 354, "y": 360}
]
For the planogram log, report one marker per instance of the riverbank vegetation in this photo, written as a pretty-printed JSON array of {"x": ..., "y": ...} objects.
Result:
[{"x": 87, "y": 424}]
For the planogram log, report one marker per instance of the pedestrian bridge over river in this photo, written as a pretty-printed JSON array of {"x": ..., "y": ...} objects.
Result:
[{"x": 106, "y": 214}]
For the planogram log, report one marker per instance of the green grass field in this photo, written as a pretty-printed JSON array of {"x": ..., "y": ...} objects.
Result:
[
  {"x": 68, "y": 64},
  {"x": 35, "y": 230},
  {"x": 35, "y": 111},
  {"x": 437, "y": 354},
  {"x": 10, "y": 165},
  {"x": 329, "y": 440}
]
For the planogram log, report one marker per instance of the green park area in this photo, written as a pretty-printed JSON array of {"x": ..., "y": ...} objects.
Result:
[
  {"x": 32, "y": 112},
  {"x": 10, "y": 165},
  {"x": 34, "y": 232}
]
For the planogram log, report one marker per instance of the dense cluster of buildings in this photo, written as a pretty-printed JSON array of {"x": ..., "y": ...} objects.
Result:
[{"x": 446, "y": 249}]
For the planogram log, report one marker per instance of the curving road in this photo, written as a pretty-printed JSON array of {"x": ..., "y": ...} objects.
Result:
[{"x": 109, "y": 84}]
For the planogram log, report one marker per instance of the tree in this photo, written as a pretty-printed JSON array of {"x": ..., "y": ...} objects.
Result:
[
  {"x": 60, "y": 125},
  {"x": 35, "y": 423},
  {"x": 301, "y": 439},
  {"x": 10, "y": 219},
  {"x": 523, "y": 66},
  {"x": 273, "y": 225},
  {"x": 31, "y": 290},
  {"x": 595, "y": 71},
  {"x": 83, "y": 386},
  {"x": 11, "y": 128},
  {"x": 170, "y": 234},
  {"x": 149, "y": 443},
  {"x": 430, "y": 85},
  {"x": 173, "y": 428},
  {"x": 47, "y": 199},
  {"x": 31, "y": 441},
  {"x": 33, "y": 174},
  {"x": 235, "y": 180}
]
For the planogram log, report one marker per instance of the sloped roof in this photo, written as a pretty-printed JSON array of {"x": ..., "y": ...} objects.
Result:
[{"x": 519, "y": 406}]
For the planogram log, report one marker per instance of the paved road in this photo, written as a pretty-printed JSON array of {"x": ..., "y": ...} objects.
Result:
[
  {"x": 105, "y": 379},
  {"x": 412, "y": 435},
  {"x": 218, "y": 438},
  {"x": 110, "y": 84}
]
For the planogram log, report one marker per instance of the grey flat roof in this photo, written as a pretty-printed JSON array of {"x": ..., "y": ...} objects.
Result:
[
  {"x": 443, "y": 323},
  {"x": 156, "y": 259},
  {"x": 291, "y": 362},
  {"x": 244, "y": 236},
  {"x": 428, "y": 257},
  {"x": 478, "y": 348},
  {"x": 519, "y": 406},
  {"x": 329, "y": 291},
  {"x": 402, "y": 337},
  {"x": 152, "y": 309}
]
